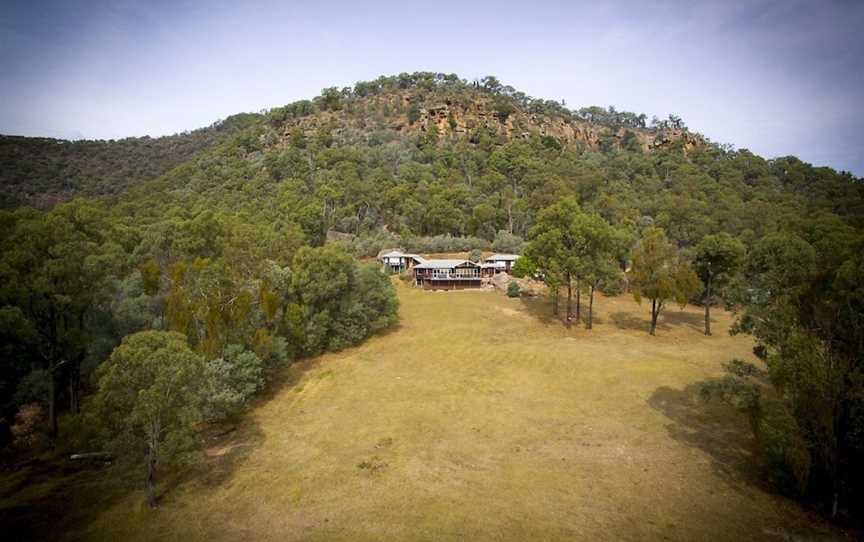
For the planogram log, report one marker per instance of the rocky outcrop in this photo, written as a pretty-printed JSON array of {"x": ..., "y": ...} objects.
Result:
[{"x": 466, "y": 116}]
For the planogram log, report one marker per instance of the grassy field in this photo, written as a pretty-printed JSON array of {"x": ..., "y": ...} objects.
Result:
[{"x": 478, "y": 418}]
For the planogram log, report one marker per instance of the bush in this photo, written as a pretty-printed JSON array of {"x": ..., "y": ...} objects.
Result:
[
  {"x": 508, "y": 243},
  {"x": 27, "y": 429},
  {"x": 234, "y": 379},
  {"x": 445, "y": 243},
  {"x": 370, "y": 244},
  {"x": 513, "y": 289},
  {"x": 281, "y": 353},
  {"x": 476, "y": 255},
  {"x": 612, "y": 285},
  {"x": 413, "y": 114}
]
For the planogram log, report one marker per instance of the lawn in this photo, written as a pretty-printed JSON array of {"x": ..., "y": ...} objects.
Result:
[{"x": 477, "y": 418}]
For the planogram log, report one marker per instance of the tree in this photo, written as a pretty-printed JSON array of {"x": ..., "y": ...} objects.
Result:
[
  {"x": 659, "y": 274},
  {"x": 716, "y": 259},
  {"x": 524, "y": 267},
  {"x": 149, "y": 399},
  {"x": 599, "y": 245},
  {"x": 552, "y": 248},
  {"x": 577, "y": 247},
  {"x": 807, "y": 315},
  {"x": 342, "y": 303},
  {"x": 56, "y": 271}
]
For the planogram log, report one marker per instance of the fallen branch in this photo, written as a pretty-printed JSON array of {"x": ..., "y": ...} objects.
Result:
[{"x": 92, "y": 456}]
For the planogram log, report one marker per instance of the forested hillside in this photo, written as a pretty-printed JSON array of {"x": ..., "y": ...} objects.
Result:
[
  {"x": 42, "y": 171},
  {"x": 220, "y": 236}
]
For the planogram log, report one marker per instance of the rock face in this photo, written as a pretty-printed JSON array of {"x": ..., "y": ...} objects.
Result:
[
  {"x": 531, "y": 288},
  {"x": 527, "y": 287},
  {"x": 467, "y": 117},
  {"x": 501, "y": 281}
]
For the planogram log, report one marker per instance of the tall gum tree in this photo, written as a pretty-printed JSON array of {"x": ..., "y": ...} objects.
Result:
[
  {"x": 716, "y": 259},
  {"x": 660, "y": 274}
]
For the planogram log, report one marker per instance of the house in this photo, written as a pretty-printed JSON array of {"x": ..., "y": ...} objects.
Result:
[
  {"x": 447, "y": 274},
  {"x": 398, "y": 262},
  {"x": 501, "y": 263}
]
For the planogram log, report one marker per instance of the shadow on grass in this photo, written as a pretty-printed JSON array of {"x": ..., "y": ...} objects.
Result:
[
  {"x": 56, "y": 495},
  {"x": 540, "y": 307},
  {"x": 715, "y": 428},
  {"x": 51, "y": 497},
  {"x": 667, "y": 319}
]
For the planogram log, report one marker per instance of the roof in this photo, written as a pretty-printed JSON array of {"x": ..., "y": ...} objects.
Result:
[
  {"x": 442, "y": 264},
  {"x": 398, "y": 254},
  {"x": 503, "y": 257}
]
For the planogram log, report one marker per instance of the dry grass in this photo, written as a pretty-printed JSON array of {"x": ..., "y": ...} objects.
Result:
[{"x": 481, "y": 418}]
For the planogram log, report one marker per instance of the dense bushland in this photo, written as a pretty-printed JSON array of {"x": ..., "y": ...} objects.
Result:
[{"x": 229, "y": 250}]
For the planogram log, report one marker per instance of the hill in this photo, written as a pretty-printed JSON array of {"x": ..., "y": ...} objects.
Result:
[
  {"x": 430, "y": 154},
  {"x": 41, "y": 171}
]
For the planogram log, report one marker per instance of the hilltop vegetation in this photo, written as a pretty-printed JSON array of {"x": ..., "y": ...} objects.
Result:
[
  {"x": 223, "y": 239},
  {"x": 41, "y": 171}
]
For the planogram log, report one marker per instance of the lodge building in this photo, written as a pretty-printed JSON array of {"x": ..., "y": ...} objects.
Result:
[{"x": 447, "y": 274}]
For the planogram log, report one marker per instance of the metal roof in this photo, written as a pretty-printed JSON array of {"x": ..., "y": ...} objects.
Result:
[
  {"x": 503, "y": 257},
  {"x": 443, "y": 264},
  {"x": 398, "y": 254}
]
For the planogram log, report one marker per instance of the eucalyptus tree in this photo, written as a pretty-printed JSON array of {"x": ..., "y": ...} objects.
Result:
[
  {"x": 659, "y": 274},
  {"x": 56, "y": 269},
  {"x": 716, "y": 259},
  {"x": 150, "y": 399}
]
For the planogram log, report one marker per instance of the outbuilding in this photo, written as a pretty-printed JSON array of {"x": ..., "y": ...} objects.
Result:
[{"x": 501, "y": 263}]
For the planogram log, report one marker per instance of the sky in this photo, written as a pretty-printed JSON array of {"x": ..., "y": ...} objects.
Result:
[{"x": 776, "y": 77}]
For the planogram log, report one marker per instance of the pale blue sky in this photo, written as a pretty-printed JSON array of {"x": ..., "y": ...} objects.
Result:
[{"x": 777, "y": 77}]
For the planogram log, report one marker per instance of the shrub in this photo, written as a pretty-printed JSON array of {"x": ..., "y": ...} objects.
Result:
[
  {"x": 26, "y": 429},
  {"x": 370, "y": 244},
  {"x": 612, "y": 285},
  {"x": 234, "y": 379},
  {"x": 413, "y": 114},
  {"x": 507, "y": 242},
  {"x": 476, "y": 255},
  {"x": 513, "y": 289},
  {"x": 281, "y": 353},
  {"x": 445, "y": 243}
]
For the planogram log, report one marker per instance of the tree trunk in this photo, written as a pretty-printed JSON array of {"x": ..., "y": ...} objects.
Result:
[
  {"x": 590, "y": 307},
  {"x": 554, "y": 292},
  {"x": 653, "y": 316},
  {"x": 52, "y": 404},
  {"x": 569, "y": 316},
  {"x": 708, "y": 307},
  {"x": 578, "y": 301},
  {"x": 151, "y": 477},
  {"x": 75, "y": 386},
  {"x": 707, "y": 319}
]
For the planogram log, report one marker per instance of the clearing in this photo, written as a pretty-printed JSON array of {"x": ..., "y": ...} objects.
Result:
[{"x": 477, "y": 418}]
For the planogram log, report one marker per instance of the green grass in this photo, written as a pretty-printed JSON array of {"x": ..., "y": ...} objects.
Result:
[{"x": 478, "y": 418}]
